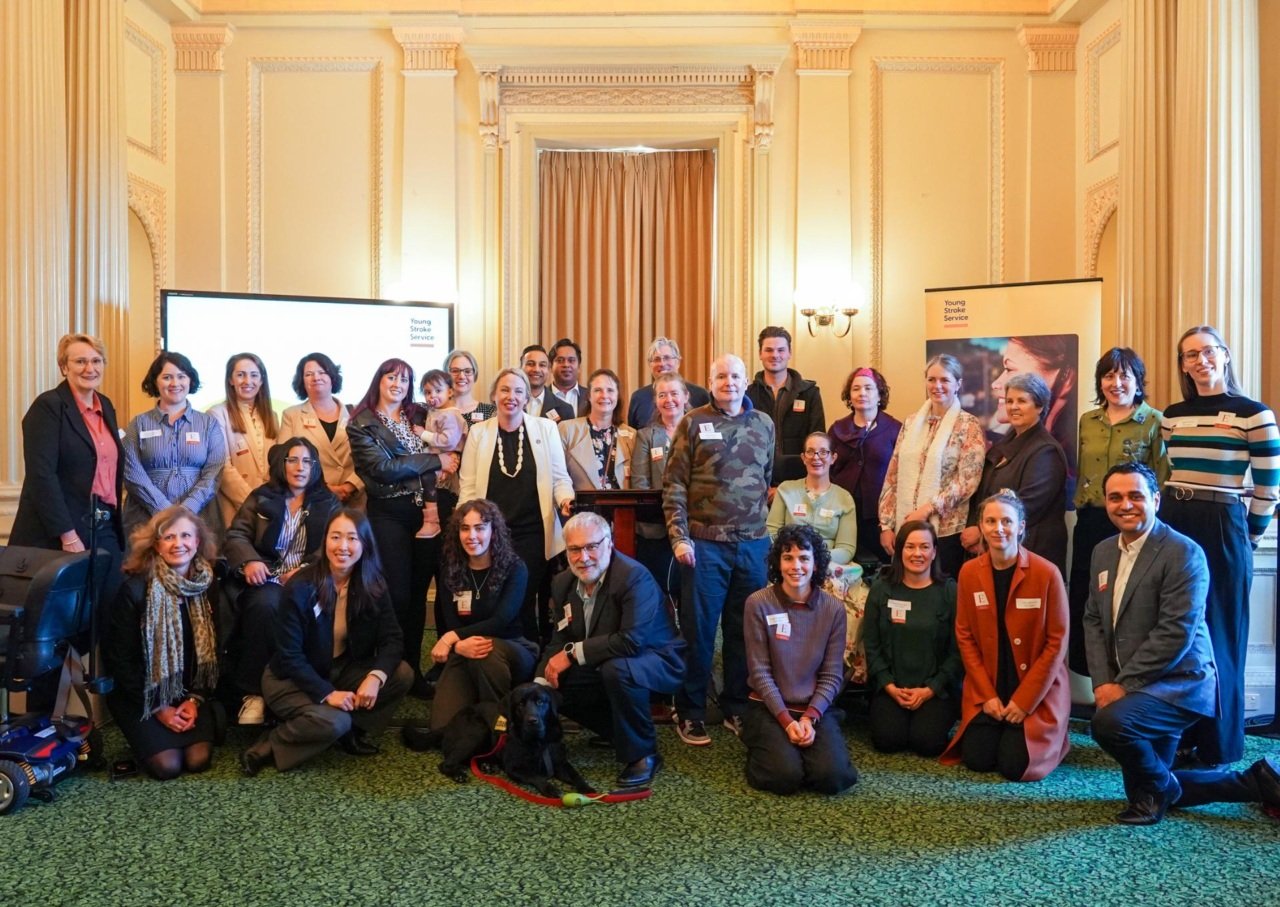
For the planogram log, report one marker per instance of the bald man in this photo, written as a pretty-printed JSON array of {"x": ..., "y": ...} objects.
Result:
[{"x": 715, "y": 501}]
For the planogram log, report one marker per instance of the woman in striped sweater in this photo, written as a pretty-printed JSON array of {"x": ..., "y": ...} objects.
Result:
[{"x": 1213, "y": 438}]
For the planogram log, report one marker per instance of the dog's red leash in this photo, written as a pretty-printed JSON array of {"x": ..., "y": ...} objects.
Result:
[{"x": 570, "y": 799}]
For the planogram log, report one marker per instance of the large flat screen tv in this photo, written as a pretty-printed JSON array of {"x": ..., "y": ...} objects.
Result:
[{"x": 357, "y": 334}]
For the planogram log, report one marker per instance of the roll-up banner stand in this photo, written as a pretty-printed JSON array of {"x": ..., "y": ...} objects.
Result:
[{"x": 1050, "y": 327}]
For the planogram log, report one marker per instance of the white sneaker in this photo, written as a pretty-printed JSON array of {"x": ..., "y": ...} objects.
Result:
[{"x": 252, "y": 710}]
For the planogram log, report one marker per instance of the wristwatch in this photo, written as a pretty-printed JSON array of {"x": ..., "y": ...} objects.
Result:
[{"x": 568, "y": 651}]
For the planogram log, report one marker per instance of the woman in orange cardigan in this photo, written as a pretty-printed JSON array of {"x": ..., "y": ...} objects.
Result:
[{"x": 1011, "y": 628}]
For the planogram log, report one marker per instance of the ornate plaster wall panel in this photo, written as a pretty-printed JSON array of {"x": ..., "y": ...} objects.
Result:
[
  {"x": 316, "y": 125},
  {"x": 1100, "y": 203},
  {"x": 147, "y": 109},
  {"x": 1102, "y": 93},
  {"x": 147, "y": 201}
]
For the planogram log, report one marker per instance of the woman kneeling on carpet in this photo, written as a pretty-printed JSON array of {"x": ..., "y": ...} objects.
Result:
[
  {"x": 336, "y": 674},
  {"x": 481, "y": 646},
  {"x": 161, "y": 646},
  {"x": 912, "y": 660},
  {"x": 1011, "y": 628},
  {"x": 795, "y": 636}
]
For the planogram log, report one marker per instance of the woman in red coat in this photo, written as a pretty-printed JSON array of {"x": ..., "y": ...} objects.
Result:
[{"x": 1011, "y": 628}]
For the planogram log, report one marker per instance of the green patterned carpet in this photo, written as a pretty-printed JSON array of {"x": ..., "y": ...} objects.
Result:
[{"x": 391, "y": 830}]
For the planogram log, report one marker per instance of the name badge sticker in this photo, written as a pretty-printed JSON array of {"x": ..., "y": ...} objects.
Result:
[
  {"x": 1225, "y": 420},
  {"x": 707, "y": 432},
  {"x": 1027, "y": 604},
  {"x": 800, "y": 510},
  {"x": 149, "y": 433},
  {"x": 193, "y": 437},
  {"x": 477, "y": 416},
  {"x": 773, "y": 620},
  {"x": 568, "y": 611},
  {"x": 826, "y": 513},
  {"x": 1102, "y": 581},
  {"x": 657, "y": 453},
  {"x": 782, "y": 631},
  {"x": 462, "y": 601},
  {"x": 898, "y": 610},
  {"x": 563, "y": 625},
  {"x": 798, "y": 406},
  {"x": 980, "y": 599}
]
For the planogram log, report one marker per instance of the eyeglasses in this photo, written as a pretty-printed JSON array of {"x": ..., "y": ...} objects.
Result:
[
  {"x": 654, "y": 360},
  {"x": 96, "y": 362},
  {"x": 1209, "y": 353},
  {"x": 295, "y": 461},
  {"x": 817, "y": 454},
  {"x": 462, "y": 371},
  {"x": 591, "y": 548}
]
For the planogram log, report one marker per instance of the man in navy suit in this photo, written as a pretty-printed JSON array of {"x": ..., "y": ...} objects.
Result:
[
  {"x": 1150, "y": 659},
  {"x": 615, "y": 644}
]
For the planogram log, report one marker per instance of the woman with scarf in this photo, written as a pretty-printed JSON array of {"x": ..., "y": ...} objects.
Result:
[
  {"x": 597, "y": 446},
  {"x": 936, "y": 465},
  {"x": 161, "y": 646}
]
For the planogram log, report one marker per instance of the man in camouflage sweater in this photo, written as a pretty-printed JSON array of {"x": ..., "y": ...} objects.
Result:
[{"x": 715, "y": 501}]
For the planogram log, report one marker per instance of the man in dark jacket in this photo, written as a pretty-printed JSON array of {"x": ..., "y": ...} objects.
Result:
[
  {"x": 615, "y": 644},
  {"x": 794, "y": 403}
]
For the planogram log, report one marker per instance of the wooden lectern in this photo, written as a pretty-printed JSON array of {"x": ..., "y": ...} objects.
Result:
[{"x": 623, "y": 508}]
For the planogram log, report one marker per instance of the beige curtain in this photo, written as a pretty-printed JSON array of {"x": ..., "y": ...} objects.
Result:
[{"x": 626, "y": 256}]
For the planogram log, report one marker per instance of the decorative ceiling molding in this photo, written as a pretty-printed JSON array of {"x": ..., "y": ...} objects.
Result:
[
  {"x": 824, "y": 47},
  {"x": 156, "y": 145},
  {"x": 199, "y": 47},
  {"x": 1050, "y": 48},
  {"x": 429, "y": 50}
]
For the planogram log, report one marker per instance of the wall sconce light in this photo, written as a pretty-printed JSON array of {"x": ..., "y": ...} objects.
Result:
[{"x": 824, "y": 312}]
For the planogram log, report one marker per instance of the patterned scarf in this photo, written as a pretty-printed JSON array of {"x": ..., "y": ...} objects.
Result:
[
  {"x": 162, "y": 633},
  {"x": 920, "y": 460}
]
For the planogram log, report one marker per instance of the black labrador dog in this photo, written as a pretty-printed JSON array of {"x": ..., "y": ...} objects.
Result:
[{"x": 534, "y": 753}]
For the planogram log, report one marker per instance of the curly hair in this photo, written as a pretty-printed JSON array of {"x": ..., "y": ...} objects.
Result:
[
  {"x": 500, "y": 549},
  {"x": 803, "y": 538},
  {"x": 142, "y": 541}
]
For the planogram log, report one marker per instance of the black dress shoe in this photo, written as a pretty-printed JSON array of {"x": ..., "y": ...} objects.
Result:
[
  {"x": 423, "y": 688},
  {"x": 640, "y": 773},
  {"x": 357, "y": 743},
  {"x": 251, "y": 763},
  {"x": 1266, "y": 774},
  {"x": 1147, "y": 809}
]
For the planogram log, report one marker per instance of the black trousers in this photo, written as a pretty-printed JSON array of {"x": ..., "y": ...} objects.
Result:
[
  {"x": 1221, "y": 532},
  {"x": 1092, "y": 526},
  {"x": 777, "y": 765},
  {"x": 467, "y": 681},
  {"x": 409, "y": 565},
  {"x": 924, "y": 731},
  {"x": 251, "y": 645},
  {"x": 951, "y": 555},
  {"x": 991, "y": 746}
]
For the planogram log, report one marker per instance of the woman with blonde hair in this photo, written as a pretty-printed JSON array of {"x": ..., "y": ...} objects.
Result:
[{"x": 162, "y": 647}]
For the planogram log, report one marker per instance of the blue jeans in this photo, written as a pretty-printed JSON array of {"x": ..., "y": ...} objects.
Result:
[{"x": 714, "y": 592}]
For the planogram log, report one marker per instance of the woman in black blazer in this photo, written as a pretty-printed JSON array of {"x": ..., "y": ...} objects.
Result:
[
  {"x": 336, "y": 674},
  {"x": 399, "y": 476},
  {"x": 161, "y": 646},
  {"x": 71, "y": 449},
  {"x": 276, "y": 532}
]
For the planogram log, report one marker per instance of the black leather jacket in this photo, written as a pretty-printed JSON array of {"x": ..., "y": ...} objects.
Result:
[{"x": 383, "y": 464}]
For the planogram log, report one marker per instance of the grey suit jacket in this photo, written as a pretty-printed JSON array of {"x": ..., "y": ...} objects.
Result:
[{"x": 1159, "y": 645}]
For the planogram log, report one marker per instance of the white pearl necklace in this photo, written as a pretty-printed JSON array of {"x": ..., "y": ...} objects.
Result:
[{"x": 502, "y": 460}]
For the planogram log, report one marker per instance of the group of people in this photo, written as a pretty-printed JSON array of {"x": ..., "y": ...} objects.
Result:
[{"x": 333, "y": 521}]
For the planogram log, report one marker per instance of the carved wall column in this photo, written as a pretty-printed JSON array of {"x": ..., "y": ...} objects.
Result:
[
  {"x": 1145, "y": 205},
  {"x": 824, "y": 166},
  {"x": 429, "y": 226},
  {"x": 1051, "y": 67},
  {"x": 97, "y": 181},
  {"x": 34, "y": 253},
  {"x": 200, "y": 171},
  {"x": 1217, "y": 232}
]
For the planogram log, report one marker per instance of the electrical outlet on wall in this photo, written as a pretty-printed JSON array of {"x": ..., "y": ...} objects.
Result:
[{"x": 1251, "y": 702}]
